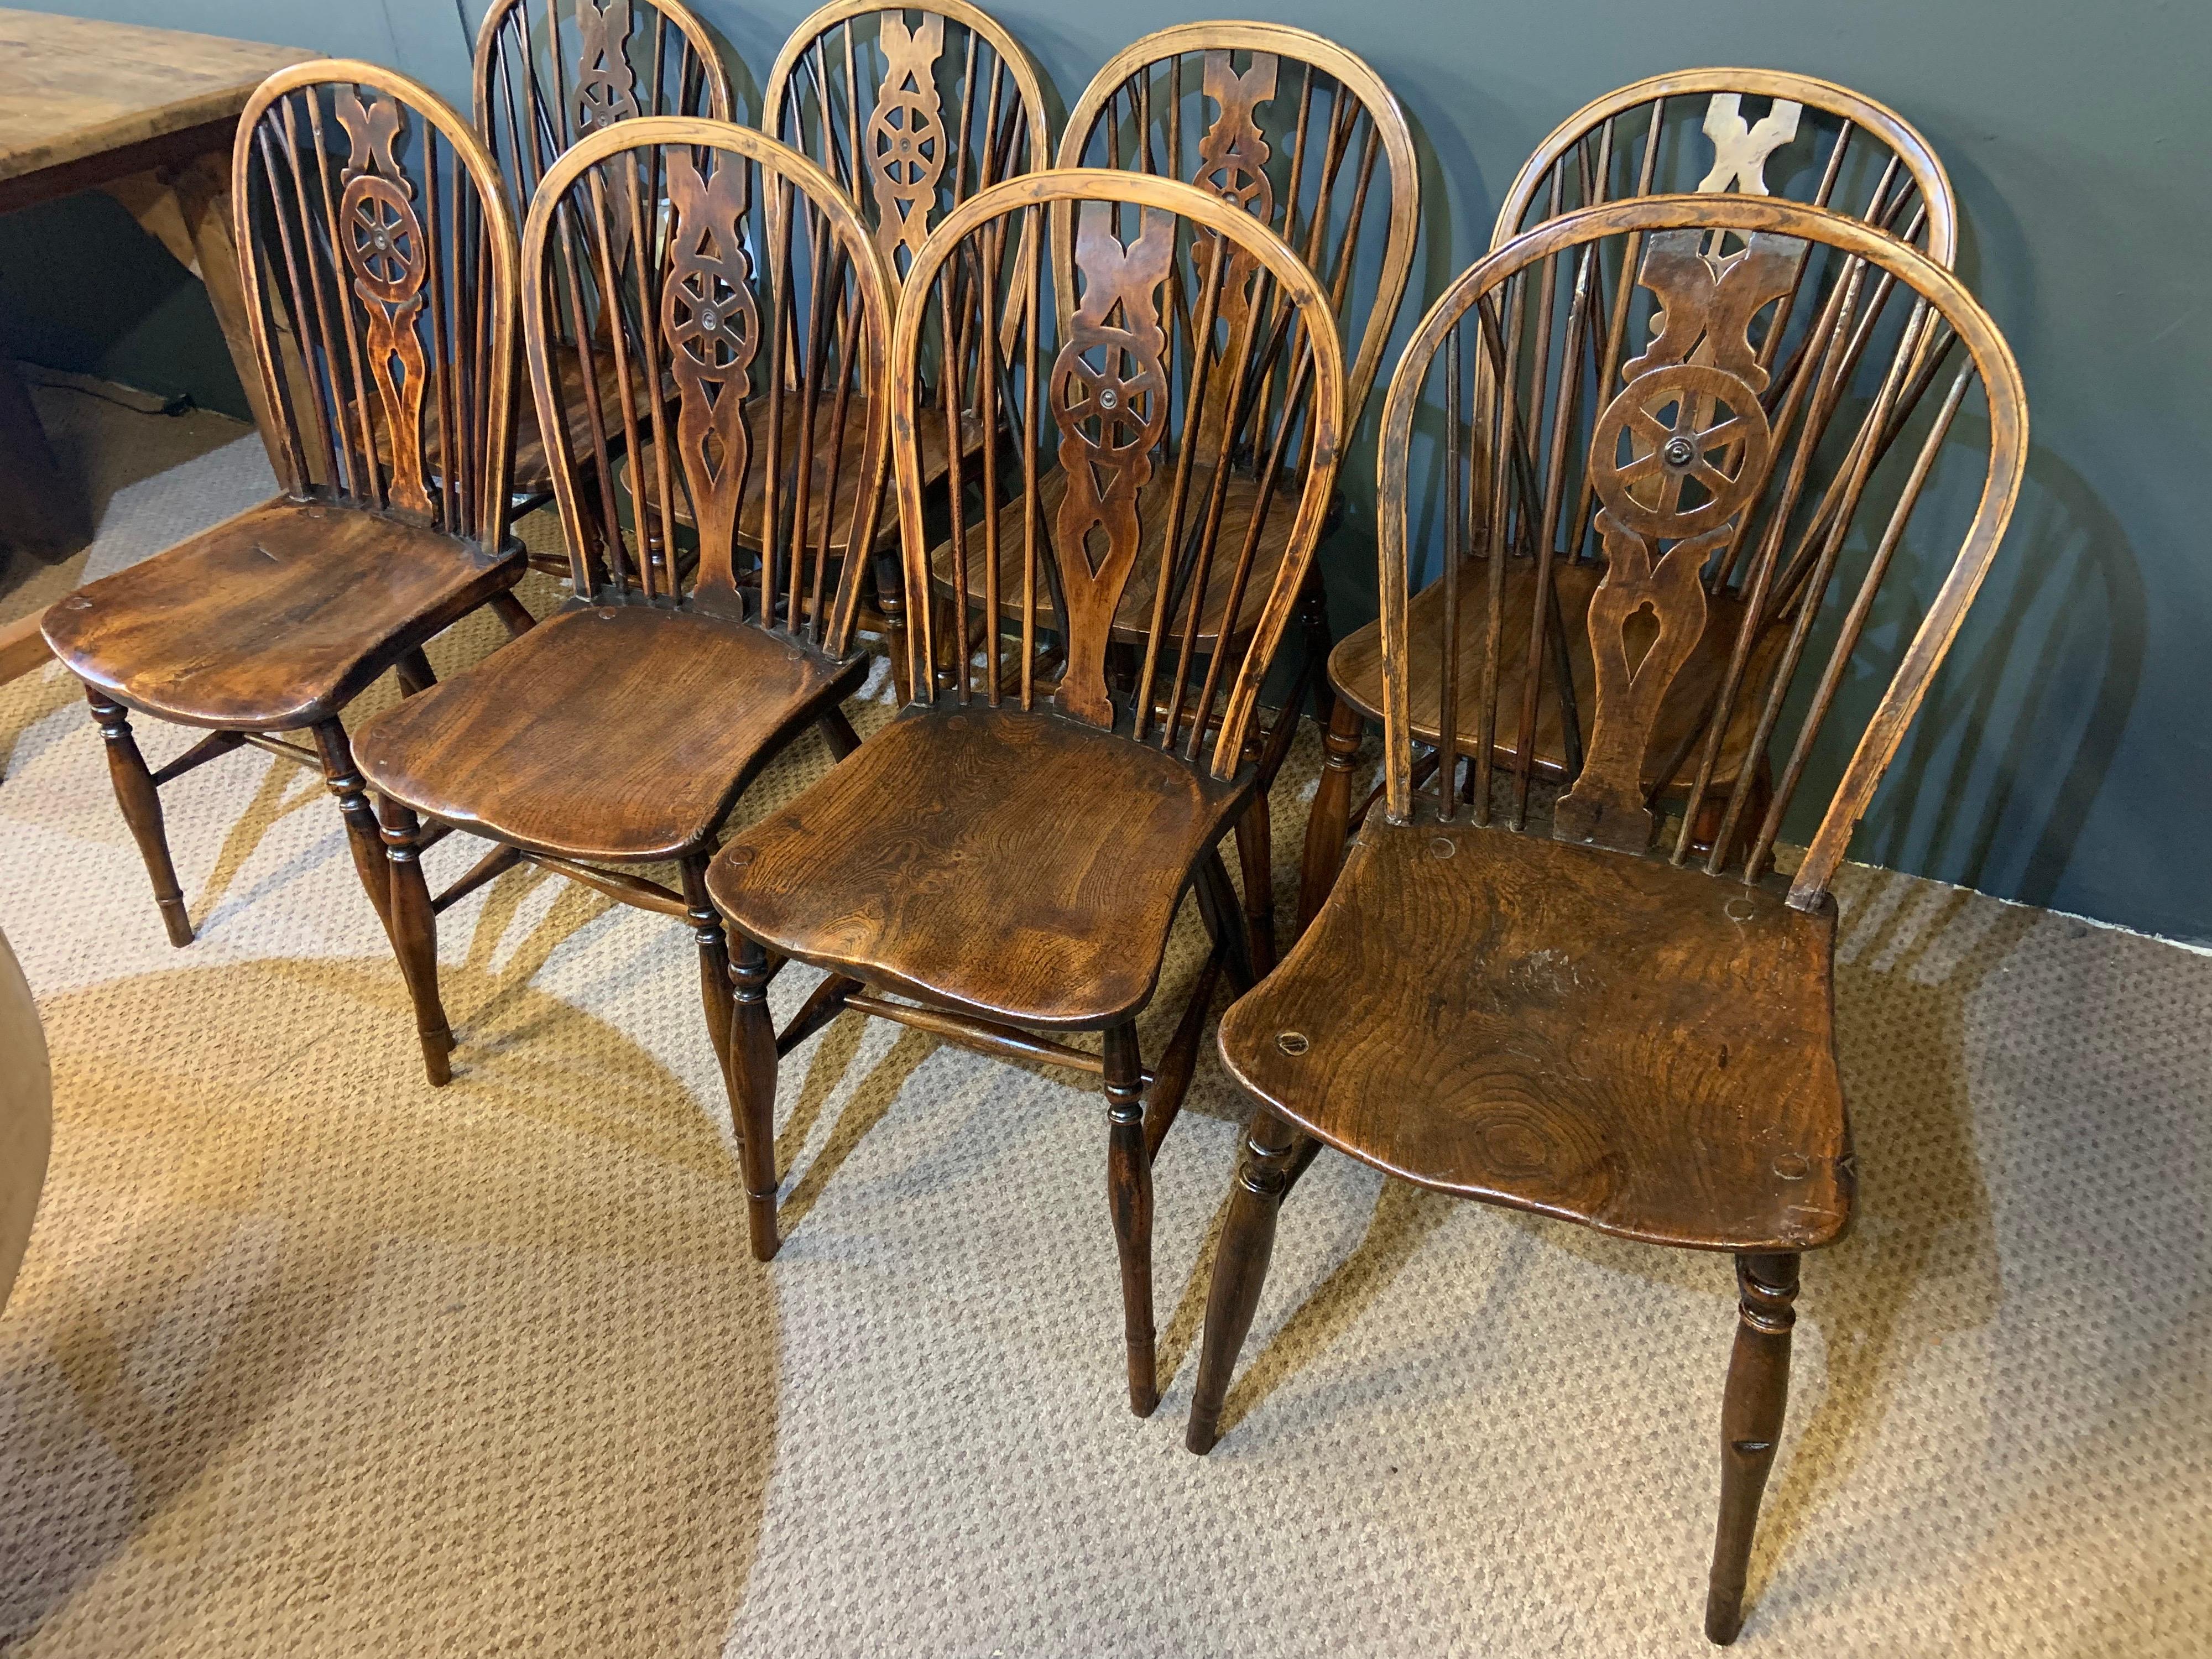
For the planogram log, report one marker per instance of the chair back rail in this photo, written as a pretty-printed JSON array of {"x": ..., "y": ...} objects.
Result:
[
  {"x": 1294, "y": 130},
  {"x": 1109, "y": 475},
  {"x": 1716, "y": 481},
  {"x": 1814, "y": 140},
  {"x": 379, "y": 265},
  {"x": 550, "y": 72},
  {"x": 743, "y": 328},
  {"x": 911, "y": 117}
]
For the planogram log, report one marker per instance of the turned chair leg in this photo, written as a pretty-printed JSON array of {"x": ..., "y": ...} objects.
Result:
[
  {"x": 514, "y": 613},
  {"x": 346, "y": 782},
  {"x": 142, "y": 810},
  {"x": 1272, "y": 1149},
  {"x": 1751, "y": 1426},
  {"x": 1329, "y": 823},
  {"x": 413, "y": 925},
  {"x": 891, "y": 601},
  {"x": 714, "y": 958},
  {"x": 751, "y": 1079},
  {"x": 837, "y": 731},
  {"x": 1129, "y": 1197},
  {"x": 1255, "y": 862}
]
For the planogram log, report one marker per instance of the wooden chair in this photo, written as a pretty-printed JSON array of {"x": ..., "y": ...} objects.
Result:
[
  {"x": 1522, "y": 991},
  {"x": 1305, "y": 137},
  {"x": 1007, "y": 856},
  {"x": 375, "y": 237},
  {"x": 620, "y": 732},
  {"x": 550, "y": 72},
  {"x": 1687, "y": 131}
]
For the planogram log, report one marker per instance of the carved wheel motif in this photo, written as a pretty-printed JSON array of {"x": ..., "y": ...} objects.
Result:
[
  {"x": 1110, "y": 396},
  {"x": 606, "y": 85},
  {"x": 710, "y": 319},
  {"x": 906, "y": 141},
  {"x": 1678, "y": 435},
  {"x": 381, "y": 239}
]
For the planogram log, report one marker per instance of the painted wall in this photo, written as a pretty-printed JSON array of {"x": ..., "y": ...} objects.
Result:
[{"x": 2065, "y": 756}]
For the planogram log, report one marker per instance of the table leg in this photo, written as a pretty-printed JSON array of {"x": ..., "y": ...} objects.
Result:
[{"x": 40, "y": 512}]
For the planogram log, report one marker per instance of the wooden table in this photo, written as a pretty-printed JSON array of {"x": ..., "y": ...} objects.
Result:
[{"x": 146, "y": 115}]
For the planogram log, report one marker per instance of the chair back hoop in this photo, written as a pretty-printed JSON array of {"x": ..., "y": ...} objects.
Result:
[
  {"x": 1589, "y": 154},
  {"x": 377, "y": 259},
  {"x": 1691, "y": 521},
  {"x": 1107, "y": 516},
  {"x": 709, "y": 370},
  {"x": 912, "y": 119},
  {"x": 542, "y": 81},
  {"x": 1322, "y": 99}
]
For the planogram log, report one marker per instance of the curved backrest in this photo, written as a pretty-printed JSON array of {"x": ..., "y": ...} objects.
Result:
[
  {"x": 1103, "y": 488},
  {"x": 1806, "y": 139},
  {"x": 550, "y": 72},
  {"x": 1294, "y": 130},
  {"x": 377, "y": 259},
  {"x": 725, "y": 351},
  {"x": 1714, "y": 486},
  {"x": 911, "y": 117}
]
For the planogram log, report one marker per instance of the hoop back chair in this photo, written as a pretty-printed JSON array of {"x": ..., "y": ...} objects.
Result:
[
  {"x": 1680, "y": 133},
  {"x": 1537, "y": 992},
  {"x": 1007, "y": 856},
  {"x": 377, "y": 255},
  {"x": 622, "y": 731},
  {"x": 1293, "y": 129},
  {"x": 912, "y": 118},
  {"x": 548, "y": 73}
]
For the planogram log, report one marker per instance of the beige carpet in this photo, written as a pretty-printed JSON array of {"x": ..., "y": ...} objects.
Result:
[{"x": 309, "y": 1358}]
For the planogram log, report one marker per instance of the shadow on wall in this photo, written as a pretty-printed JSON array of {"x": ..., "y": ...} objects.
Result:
[{"x": 1999, "y": 772}]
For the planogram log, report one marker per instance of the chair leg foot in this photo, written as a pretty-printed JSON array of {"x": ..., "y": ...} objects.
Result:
[
  {"x": 751, "y": 1076},
  {"x": 1240, "y": 1268},
  {"x": 1750, "y": 1427},
  {"x": 142, "y": 810},
  {"x": 414, "y": 926},
  {"x": 1129, "y": 1199}
]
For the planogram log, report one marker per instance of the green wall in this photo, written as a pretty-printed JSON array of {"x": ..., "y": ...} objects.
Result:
[{"x": 2065, "y": 756}]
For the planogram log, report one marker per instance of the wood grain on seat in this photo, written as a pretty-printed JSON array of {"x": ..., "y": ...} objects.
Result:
[
  {"x": 1584, "y": 1033},
  {"x": 620, "y": 733},
  {"x": 1024, "y": 865},
  {"x": 272, "y": 620}
]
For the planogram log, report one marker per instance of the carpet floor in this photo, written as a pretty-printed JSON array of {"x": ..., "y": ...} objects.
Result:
[{"x": 309, "y": 1357}]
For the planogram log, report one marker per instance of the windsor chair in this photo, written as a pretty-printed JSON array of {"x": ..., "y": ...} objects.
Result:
[
  {"x": 622, "y": 730},
  {"x": 1530, "y": 992},
  {"x": 375, "y": 235},
  {"x": 1681, "y": 132},
  {"x": 1304, "y": 138},
  {"x": 550, "y": 72},
  {"x": 1007, "y": 856}
]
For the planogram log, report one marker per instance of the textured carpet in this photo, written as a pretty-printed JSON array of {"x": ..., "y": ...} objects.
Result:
[{"x": 307, "y": 1357}]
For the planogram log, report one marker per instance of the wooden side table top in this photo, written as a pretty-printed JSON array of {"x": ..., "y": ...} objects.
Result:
[{"x": 82, "y": 101}]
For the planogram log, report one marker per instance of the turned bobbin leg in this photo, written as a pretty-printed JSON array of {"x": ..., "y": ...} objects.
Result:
[
  {"x": 414, "y": 924},
  {"x": 1751, "y": 1426},
  {"x": 707, "y": 933},
  {"x": 1129, "y": 1197},
  {"x": 1255, "y": 862},
  {"x": 751, "y": 1076},
  {"x": 362, "y": 836},
  {"x": 1270, "y": 1163},
  {"x": 142, "y": 810},
  {"x": 1330, "y": 821}
]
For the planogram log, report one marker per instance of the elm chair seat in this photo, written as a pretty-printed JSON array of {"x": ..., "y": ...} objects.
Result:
[
  {"x": 1024, "y": 866},
  {"x": 1671, "y": 1077},
  {"x": 619, "y": 734},
  {"x": 273, "y": 620}
]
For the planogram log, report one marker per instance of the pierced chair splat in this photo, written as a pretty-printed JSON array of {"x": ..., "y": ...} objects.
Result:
[
  {"x": 378, "y": 264},
  {"x": 1007, "y": 857},
  {"x": 1549, "y": 988},
  {"x": 622, "y": 731},
  {"x": 1685, "y": 132}
]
